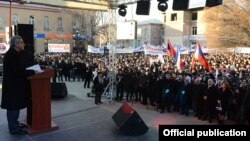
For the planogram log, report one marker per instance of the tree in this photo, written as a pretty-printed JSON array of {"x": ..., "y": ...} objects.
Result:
[
  {"x": 228, "y": 24},
  {"x": 105, "y": 30},
  {"x": 98, "y": 25}
]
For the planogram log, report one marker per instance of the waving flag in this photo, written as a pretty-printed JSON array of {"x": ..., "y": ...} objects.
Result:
[
  {"x": 192, "y": 63},
  {"x": 170, "y": 48},
  {"x": 179, "y": 62},
  {"x": 200, "y": 56}
]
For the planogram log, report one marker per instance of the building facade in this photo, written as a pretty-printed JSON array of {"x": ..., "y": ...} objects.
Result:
[
  {"x": 53, "y": 22},
  {"x": 150, "y": 33},
  {"x": 184, "y": 27}
]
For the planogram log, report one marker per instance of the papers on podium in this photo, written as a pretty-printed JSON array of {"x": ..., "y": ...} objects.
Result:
[{"x": 36, "y": 68}]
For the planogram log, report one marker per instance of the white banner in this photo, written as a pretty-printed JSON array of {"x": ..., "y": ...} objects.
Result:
[
  {"x": 125, "y": 50},
  {"x": 139, "y": 49},
  {"x": 152, "y": 50},
  {"x": 58, "y": 47},
  {"x": 242, "y": 50},
  {"x": 92, "y": 49}
]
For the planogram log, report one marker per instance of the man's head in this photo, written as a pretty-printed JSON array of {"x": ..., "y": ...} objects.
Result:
[
  {"x": 210, "y": 82},
  {"x": 17, "y": 43}
]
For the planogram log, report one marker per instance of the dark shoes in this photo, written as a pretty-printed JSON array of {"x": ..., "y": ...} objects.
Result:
[
  {"x": 21, "y": 130},
  {"x": 97, "y": 103}
]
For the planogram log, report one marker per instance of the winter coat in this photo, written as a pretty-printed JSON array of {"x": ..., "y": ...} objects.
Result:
[{"x": 15, "y": 86}]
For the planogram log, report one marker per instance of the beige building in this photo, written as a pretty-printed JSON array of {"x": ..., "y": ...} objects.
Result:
[
  {"x": 52, "y": 23},
  {"x": 184, "y": 27}
]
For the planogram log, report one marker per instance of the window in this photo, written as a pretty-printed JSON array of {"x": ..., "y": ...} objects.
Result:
[
  {"x": 59, "y": 24},
  {"x": 174, "y": 17},
  {"x": 15, "y": 19},
  {"x": 31, "y": 20},
  {"x": 46, "y": 23},
  {"x": 74, "y": 22},
  {"x": 194, "y": 30},
  {"x": 194, "y": 16},
  {"x": 146, "y": 32},
  {"x": 1, "y": 23},
  {"x": 162, "y": 31}
]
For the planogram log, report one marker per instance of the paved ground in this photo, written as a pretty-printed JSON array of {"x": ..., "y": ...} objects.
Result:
[{"x": 80, "y": 119}]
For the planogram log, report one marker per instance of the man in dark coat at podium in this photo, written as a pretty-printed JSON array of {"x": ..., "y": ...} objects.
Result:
[{"x": 15, "y": 85}]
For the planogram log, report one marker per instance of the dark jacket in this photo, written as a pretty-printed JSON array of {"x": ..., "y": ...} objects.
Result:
[
  {"x": 15, "y": 85},
  {"x": 99, "y": 87}
]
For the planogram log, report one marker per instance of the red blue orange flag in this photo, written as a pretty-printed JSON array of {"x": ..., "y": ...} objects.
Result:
[
  {"x": 179, "y": 62},
  {"x": 200, "y": 56},
  {"x": 170, "y": 48}
]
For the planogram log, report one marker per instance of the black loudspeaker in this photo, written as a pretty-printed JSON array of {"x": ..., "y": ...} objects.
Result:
[
  {"x": 58, "y": 90},
  {"x": 143, "y": 7},
  {"x": 129, "y": 122},
  {"x": 211, "y": 3},
  {"x": 180, "y": 4},
  {"x": 26, "y": 31}
]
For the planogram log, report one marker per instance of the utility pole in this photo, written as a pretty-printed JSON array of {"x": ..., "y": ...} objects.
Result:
[{"x": 10, "y": 20}]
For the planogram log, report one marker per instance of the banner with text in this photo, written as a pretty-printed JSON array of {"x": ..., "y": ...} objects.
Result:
[{"x": 58, "y": 47}]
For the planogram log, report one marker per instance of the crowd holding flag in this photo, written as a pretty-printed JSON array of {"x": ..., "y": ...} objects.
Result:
[
  {"x": 179, "y": 61},
  {"x": 198, "y": 55},
  {"x": 170, "y": 48}
]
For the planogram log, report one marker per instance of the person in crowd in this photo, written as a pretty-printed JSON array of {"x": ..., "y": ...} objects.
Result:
[
  {"x": 185, "y": 96},
  {"x": 66, "y": 70},
  {"x": 99, "y": 86},
  {"x": 222, "y": 102},
  {"x": 197, "y": 95},
  {"x": 15, "y": 86},
  {"x": 120, "y": 85},
  {"x": 174, "y": 90},
  {"x": 241, "y": 103},
  {"x": 165, "y": 94},
  {"x": 159, "y": 88},
  {"x": 88, "y": 76},
  {"x": 55, "y": 72},
  {"x": 129, "y": 80},
  {"x": 178, "y": 94},
  {"x": 60, "y": 70},
  {"x": 209, "y": 100}
]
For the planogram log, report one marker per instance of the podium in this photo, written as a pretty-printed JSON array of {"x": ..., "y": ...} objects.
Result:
[{"x": 39, "y": 109}]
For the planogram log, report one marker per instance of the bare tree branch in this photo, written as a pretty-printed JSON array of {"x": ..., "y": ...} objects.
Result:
[{"x": 228, "y": 24}]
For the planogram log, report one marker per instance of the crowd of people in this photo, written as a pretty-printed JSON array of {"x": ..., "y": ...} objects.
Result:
[{"x": 218, "y": 94}]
